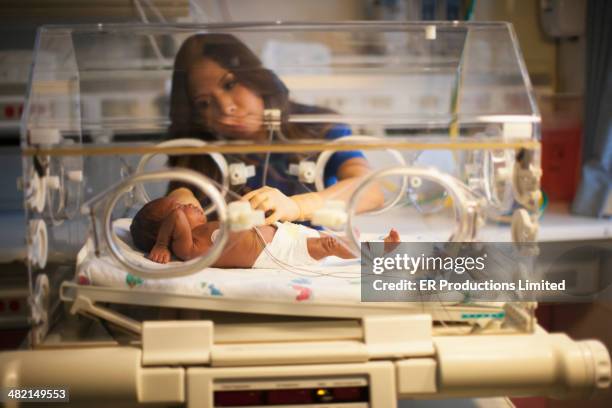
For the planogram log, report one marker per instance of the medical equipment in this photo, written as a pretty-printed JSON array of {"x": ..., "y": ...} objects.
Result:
[{"x": 293, "y": 335}]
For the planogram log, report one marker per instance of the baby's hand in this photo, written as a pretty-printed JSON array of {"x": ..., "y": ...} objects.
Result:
[{"x": 159, "y": 254}]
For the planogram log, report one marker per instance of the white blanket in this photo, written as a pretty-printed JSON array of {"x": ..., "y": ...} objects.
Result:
[{"x": 334, "y": 280}]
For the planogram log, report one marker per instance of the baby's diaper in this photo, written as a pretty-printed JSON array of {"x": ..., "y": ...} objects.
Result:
[{"x": 288, "y": 247}]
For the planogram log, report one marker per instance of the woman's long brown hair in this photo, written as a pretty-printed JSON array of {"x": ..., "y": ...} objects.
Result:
[{"x": 231, "y": 54}]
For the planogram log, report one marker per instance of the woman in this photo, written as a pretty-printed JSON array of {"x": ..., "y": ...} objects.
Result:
[{"x": 219, "y": 92}]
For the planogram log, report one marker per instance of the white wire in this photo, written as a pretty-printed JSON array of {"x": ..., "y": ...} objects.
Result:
[
  {"x": 264, "y": 176},
  {"x": 144, "y": 18}
]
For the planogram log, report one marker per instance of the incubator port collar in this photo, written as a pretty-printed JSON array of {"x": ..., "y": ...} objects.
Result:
[{"x": 601, "y": 363}]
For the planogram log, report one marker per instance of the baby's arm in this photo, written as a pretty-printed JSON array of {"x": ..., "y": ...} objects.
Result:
[
  {"x": 185, "y": 244},
  {"x": 160, "y": 252},
  {"x": 175, "y": 231}
]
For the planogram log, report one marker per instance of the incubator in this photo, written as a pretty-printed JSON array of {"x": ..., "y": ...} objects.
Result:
[{"x": 443, "y": 114}]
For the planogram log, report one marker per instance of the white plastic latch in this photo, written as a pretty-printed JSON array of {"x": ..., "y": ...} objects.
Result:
[
  {"x": 75, "y": 176},
  {"x": 52, "y": 182},
  {"x": 332, "y": 215},
  {"x": 45, "y": 136},
  {"x": 239, "y": 173},
  {"x": 36, "y": 193},
  {"x": 242, "y": 217},
  {"x": 517, "y": 130},
  {"x": 272, "y": 117},
  {"x": 38, "y": 241},
  {"x": 430, "y": 32},
  {"x": 40, "y": 299},
  {"x": 305, "y": 170}
]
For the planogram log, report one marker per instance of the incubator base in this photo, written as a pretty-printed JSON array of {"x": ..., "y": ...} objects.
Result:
[{"x": 202, "y": 364}]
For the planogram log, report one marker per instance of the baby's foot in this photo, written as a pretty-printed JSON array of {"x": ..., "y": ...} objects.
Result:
[
  {"x": 324, "y": 246},
  {"x": 392, "y": 240}
]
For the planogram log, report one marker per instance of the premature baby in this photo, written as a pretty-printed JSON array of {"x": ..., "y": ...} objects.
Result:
[{"x": 176, "y": 224}]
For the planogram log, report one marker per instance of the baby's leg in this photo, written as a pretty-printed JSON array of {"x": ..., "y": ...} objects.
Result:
[{"x": 327, "y": 245}]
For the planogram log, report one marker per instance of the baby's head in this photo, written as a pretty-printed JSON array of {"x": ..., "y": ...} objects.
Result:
[{"x": 148, "y": 220}]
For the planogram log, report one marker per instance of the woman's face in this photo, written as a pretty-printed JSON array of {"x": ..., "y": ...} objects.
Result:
[{"x": 226, "y": 106}]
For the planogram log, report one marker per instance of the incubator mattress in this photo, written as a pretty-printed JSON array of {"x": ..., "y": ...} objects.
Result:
[{"x": 334, "y": 280}]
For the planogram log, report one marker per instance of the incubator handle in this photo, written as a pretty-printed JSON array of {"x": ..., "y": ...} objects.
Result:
[
  {"x": 539, "y": 364},
  {"x": 464, "y": 207},
  {"x": 325, "y": 155}
]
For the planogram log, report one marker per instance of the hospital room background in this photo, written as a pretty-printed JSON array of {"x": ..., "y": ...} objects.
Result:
[{"x": 566, "y": 46}]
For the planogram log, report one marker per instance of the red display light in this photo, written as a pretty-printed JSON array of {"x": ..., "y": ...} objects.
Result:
[
  {"x": 14, "y": 305},
  {"x": 238, "y": 398},
  {"x": 9, "y": 111},
  {"x": 344, "y": 394},
  {"x": 299, "y": 396}
]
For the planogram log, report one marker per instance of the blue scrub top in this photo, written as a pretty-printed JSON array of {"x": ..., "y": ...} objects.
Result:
[{"x": 278, "y": 168}]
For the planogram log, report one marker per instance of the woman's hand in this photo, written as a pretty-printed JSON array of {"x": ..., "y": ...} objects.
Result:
[
  {"x": 273, "y": 200},
  {"x": 160, "y": 254}
]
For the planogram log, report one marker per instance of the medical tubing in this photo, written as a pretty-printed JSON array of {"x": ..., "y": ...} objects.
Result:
[
  {"x": 185, "y": 142},
  {"x": 451, "y": 184},
  {"x": 326, "y": 155},
  {"x": 187, "y": 268}
]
